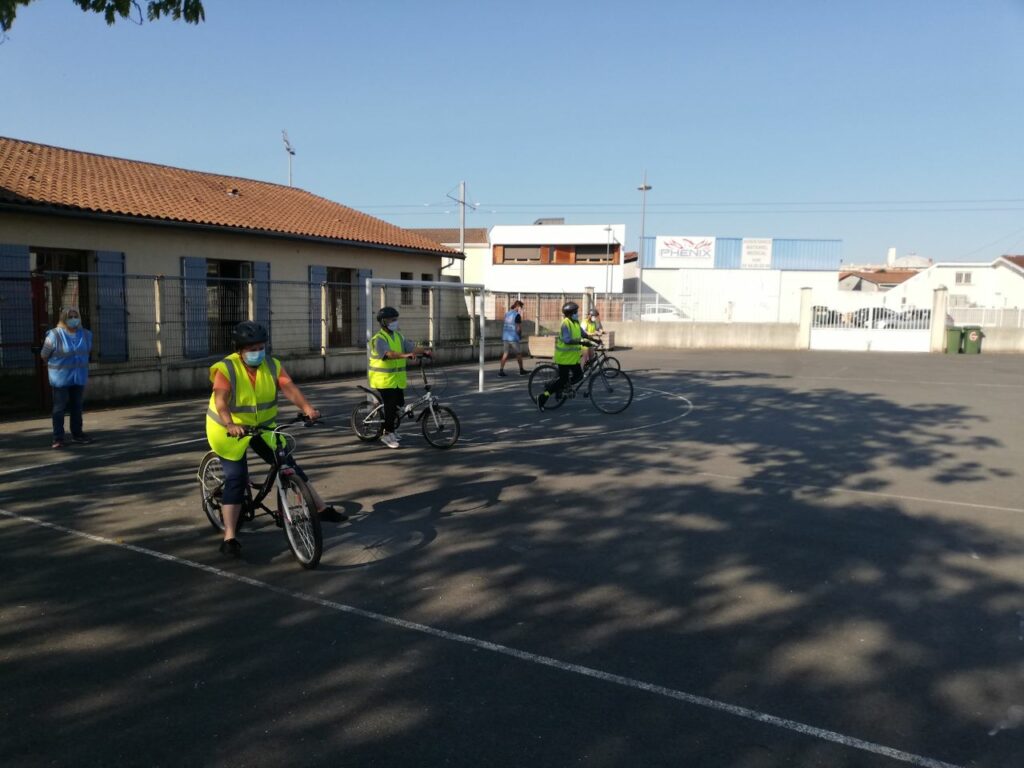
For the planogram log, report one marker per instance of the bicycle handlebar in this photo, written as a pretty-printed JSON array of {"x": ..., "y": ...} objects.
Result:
[{"x": 256, "y": 429}]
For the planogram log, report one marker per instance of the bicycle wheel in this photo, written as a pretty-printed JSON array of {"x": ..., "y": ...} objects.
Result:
[
  {"x": 301, "y": 522},
  {"x": 539, "y": 378},
  {"x": 610, "y": 391},
  {"x": 441, "y": 427},
  {"x": 211, "y": 485},
  {"x": 612, "y": 363},
  {"x": 368, "y": 421}
]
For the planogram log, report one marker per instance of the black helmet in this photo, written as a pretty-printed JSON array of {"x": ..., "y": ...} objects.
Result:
[
  {"x": 386, "y": 315},
  {"x": 570, "y": 308},
  {"x": 247, "y": 332}
]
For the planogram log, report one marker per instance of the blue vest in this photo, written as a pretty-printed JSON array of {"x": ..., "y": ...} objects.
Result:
[
  {"x": 508, "y": 331},
  {"x": 68, "y": 364}
]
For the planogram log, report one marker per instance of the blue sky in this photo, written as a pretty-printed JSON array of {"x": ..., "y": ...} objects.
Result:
[{"x": 880, "y": 123}]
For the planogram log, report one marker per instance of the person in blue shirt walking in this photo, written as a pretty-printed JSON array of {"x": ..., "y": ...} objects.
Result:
[
  {"x": 66, "y": 352},
  {"x": 511, "y": 337}
]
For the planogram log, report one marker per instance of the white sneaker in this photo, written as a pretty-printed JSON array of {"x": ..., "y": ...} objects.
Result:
[
  {"x": 389, "y": 439},
  {"x": 397, "y": 435}
]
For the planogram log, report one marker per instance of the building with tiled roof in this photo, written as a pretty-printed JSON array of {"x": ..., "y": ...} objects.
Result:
[
  {"x": 40, "y": 178},
  {"x": 874, "y": 280},
  {"x": 451, "y": 236},
  {"x": 226, "y": 249}
]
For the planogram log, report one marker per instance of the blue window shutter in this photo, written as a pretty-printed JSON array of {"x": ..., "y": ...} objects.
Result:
[
  {"x": 113, "y": 312},
  {"x": 317, "y": 275},
  {"x": 196, "y": 341},
  {"x": 261, "y": 280},
  {"x": 362, "y": 275},
  {"x": 16, "y": 332}
]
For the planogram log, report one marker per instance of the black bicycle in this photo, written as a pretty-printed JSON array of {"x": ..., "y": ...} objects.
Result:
[
  {"x": 606, "y": 385},
  {"x": 439, "y": 423},
  {"x": 296, "y": 509}
]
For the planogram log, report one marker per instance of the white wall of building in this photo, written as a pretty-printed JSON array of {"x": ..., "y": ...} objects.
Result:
[
  {"x": 995, "y": 284},
  {"x": 734, "y": 295},
  {"x": 554, "y": 278}
]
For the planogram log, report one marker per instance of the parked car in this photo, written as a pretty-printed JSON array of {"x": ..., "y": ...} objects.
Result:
[
  {"x": 915, "y": 319},
  {"x": 824, "y": 317},
  {"x": 873, "y": 317},
  {"x": 661, "y": 313}
]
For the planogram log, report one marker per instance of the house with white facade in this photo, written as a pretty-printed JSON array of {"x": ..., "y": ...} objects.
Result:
[
  {"x": 555, "y": 258},
  {"x": 995, "y": 285}
]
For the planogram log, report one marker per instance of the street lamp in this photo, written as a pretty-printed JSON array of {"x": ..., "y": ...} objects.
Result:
[
  {"x": 608, "y": 266},
  {"x": 644, "y": 188}
]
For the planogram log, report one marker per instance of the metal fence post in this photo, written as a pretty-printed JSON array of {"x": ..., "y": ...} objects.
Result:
[
  {"x": 158, "y": 323},
  {"x": 252, "y": 299},
  {"x": 431, "y": 308},
  {"x": 483, "y": 333},
  {"x": 323, "y": 325}
]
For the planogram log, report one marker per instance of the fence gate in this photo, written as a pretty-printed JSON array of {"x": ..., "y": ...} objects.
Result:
[{"x": 861, "y": 322}]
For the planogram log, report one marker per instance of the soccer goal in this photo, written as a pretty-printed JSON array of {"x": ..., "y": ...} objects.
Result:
[{"x": 445, "y": 316}]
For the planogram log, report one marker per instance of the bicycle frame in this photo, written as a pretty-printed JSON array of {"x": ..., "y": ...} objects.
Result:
[
  {"x": 427, "y": 401},
  {"x": 285, "y": 447}
]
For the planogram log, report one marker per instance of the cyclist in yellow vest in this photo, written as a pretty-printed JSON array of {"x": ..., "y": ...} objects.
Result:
[
  {"x": 386, "y": 354},
  {"x": 569, "y": 343},
  {"x": 245, "y": 387},
  {"x": 595, "y": 330}
]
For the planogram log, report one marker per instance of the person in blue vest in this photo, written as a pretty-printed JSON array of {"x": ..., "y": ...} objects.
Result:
[
  {"x": 66, "y": 352},
  {"x": 386, "y": 354},
  {"x": 511, "y": 337},
  {"x": 569, "y": 345}
]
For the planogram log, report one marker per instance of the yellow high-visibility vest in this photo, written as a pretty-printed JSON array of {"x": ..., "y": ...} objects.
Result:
[
  {"x": 250, "y": 405},
  {"x": 386, "y": 374},
  {"x": 568, "y": 354}
]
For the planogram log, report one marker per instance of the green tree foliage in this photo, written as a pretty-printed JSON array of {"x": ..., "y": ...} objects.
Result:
[{"x": 189, "y": 10}]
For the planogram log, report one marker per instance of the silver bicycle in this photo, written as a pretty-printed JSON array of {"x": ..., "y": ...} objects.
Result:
[{"x": 438, "y": 422}]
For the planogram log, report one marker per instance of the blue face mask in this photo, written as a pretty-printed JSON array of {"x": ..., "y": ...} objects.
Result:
[
  {"x": 575, "y": 318},
  {"x": 254, "y": 358},
  {"x": 73, "y": 322},
  {"x": 393, "y": 326}
]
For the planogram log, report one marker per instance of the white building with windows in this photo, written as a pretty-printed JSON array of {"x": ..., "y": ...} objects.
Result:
[
  {"x": 554, "y": 258},
  {"x": 998, "y": 284}
]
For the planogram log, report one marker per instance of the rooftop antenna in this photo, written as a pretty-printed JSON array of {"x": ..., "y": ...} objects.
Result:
[{"x": 291, "y": 154}]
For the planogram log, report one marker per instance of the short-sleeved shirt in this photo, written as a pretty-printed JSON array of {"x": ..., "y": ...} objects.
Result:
[{"x": 382, "y": 346}]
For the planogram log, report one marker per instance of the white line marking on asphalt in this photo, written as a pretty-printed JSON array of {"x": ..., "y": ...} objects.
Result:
[
  {"x": 504, "y": 650},
  {"x": 876, "y": 494},
  {"x": 28, "y": 469}
]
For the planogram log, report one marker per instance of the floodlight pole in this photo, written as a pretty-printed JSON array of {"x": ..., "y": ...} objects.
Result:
[
  {"x": 291, "y": 154},
  {"x": 644, "y": 188}
]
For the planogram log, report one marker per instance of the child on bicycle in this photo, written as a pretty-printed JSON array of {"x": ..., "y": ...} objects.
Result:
[
  {"x": 594, "y": 330},
  {"x": 245, "y": 387},
  {"x": 569, "y": 342},
  {"x": 386, "y": 354}
]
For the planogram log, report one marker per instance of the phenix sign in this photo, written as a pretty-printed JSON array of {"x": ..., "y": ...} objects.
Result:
[{"x": 681, "y": 251}]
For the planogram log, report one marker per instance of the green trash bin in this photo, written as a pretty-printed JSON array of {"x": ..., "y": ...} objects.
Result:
[
  {"x": 972, "y": 339},
  {"x": 954, "y": 341}
]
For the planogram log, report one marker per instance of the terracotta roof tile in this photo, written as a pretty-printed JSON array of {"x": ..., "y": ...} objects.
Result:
[
  {"x": 37, "y": 174},
  {"x": 474, "y": 235},
  {"x": 1018, "y": 260},
  {"x": 881, "y": 276}
]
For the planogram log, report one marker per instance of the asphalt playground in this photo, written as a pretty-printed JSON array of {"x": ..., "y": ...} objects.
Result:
[{"x": 769, "y": 559}]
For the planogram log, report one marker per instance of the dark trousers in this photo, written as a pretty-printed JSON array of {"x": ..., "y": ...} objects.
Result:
[
  {"x": 236, "y": 473},
  {"x": 67, "y": 399},
  {"x": 565, "y": 374},
  {"x": 393, "y": 399}
]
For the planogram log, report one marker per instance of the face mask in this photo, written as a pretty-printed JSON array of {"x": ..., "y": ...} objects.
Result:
[
  {"x": 254, "y": 358},
  {"x": 73, "y": 322},
  {"x": 575, "y": 318},
  {"x": 393, "y": 326}
]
